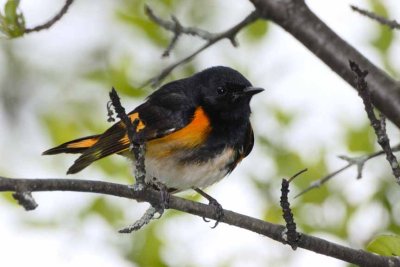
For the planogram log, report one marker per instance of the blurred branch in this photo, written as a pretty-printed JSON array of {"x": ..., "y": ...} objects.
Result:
[
  {"x": 393, "y": 24},
  {"x": 358, "y": 161},
  {"x": 53, "y": 20},
  {"x": 211, "y": 38},
  {"x": 176, "y": 27},
  {"x": 378, "y": 125},
  {"x": 273, "y": 231}
]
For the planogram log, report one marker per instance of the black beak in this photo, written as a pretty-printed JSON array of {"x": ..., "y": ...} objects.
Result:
[{"x": 250, "y": 91}]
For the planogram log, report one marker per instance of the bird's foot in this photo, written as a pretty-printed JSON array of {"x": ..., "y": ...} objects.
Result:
[
  {"x": 164, "y": 195},
  {"x": 219, "y": 211}
]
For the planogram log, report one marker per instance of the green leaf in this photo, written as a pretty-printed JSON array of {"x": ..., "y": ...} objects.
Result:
[
  {"x": 116, "y": 167},
  {"x": 283, "y": 117},
  {"x": 257, "y": 30},
  {"x": 361, "y": 140},
  {"x": 9, "y": 198},
  {"x": 384, "y": 37},
  {"x": 153, "y": 31},
  {"x": 385, "y": 245},
  {"x": 273, "y": 214},
  {"x": 10, "y": 10},
  {"x": 111, "y": 213},
  {"x": 12, "y": 23},
  {"x": 59, "y": 130},
  {"x": 119, "y": 77},
  {"x": 147, "y": 247}
]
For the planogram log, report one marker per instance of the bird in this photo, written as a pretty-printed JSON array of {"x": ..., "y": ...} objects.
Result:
[{"x": 196, "y": 130}]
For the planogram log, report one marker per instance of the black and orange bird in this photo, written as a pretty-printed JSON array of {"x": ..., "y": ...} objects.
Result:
[{"x": 196, "y": 131}]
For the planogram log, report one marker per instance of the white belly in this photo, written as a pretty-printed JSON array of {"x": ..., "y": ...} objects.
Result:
[{"x": 182, "y": 176}]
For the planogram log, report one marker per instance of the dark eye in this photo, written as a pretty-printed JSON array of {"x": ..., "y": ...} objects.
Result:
[{"x": 221, "y": 90}]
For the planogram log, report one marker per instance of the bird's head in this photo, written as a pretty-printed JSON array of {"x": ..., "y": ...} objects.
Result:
[{"x": 225, "y": 91}]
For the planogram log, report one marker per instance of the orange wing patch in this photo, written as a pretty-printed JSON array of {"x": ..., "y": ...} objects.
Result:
[
  {"x": 188, "y": 137},
  {"x": 133, "y": 117}
]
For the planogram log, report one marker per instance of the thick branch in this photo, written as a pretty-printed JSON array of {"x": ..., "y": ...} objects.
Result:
[
  {"x": 270, "y": 230},
  {"x": 296, "y": 18},
  {"x": 53, "y": 20}
]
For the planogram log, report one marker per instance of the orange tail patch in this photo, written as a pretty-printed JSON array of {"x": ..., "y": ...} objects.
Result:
[{"x": 74, "y": 146}]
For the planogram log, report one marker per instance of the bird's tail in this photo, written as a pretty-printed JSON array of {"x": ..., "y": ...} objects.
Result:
[
  {"x": 85, "y": 146},
  {"x": 95, "y": 147},
  {"x": 75, "y": 146}
]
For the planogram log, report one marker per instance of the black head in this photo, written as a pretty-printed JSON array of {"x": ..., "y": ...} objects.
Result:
[{"x": 225, "y": 92}]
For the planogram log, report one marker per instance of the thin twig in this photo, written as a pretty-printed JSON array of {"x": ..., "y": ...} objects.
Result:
[
  {"x": 176, "y": 28},
  {"x": 358, "y": 161},
  {"x": 393, "y": 24},
  {"x": 137, "y": 144},
  {"x": 273, "y": 231},
  {"x": 56, "y": 18},
  {"x": 145, "y": 219},
  {"x": 379, "y": 125},
  {"x": 290, "y": 234},
  {"x": 297, "y": 174},
  {"x": 211, "y": 39}
]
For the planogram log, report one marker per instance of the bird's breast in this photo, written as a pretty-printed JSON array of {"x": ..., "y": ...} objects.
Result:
[{"x": 176, "y": 173}]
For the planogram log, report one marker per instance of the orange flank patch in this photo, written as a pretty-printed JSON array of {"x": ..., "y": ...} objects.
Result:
[
  {"x": 188, "y": 137},
  {"x": 83, "y": 143},
  {"x": 135, "y": 116}
]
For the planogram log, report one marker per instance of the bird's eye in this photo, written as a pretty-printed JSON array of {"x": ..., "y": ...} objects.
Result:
[{"x": 221, "y": 90}]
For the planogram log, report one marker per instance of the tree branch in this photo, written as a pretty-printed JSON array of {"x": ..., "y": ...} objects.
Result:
[
  {"x": 152, "y": 196},
  {"x": 53, "y": 20},
  {"x": 393, "y": 24},
  {"x": 211, "y": 39},
  {"x": 291, "y": 235},
  {"x": 358, "y": 161},
  {"x": 378, "y": 125},
  {"x": 176, "y": 27},
  {"x": 296, "y": 18}
]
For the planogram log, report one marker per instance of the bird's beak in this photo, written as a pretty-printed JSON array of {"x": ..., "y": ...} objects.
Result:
[{"x": 252, "y": 90}]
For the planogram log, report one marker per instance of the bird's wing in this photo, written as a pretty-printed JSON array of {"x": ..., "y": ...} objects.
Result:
[{"x": 164, "y": 113}]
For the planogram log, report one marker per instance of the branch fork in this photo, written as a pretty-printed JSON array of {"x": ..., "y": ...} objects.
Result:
[{"x": 178, "y": 29}]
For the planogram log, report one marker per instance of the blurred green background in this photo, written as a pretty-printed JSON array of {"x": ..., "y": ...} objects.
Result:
[{"x": 54, "y": 87}]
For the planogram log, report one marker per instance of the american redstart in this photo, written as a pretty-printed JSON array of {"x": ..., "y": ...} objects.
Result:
[{"x": 196, "y": 131}]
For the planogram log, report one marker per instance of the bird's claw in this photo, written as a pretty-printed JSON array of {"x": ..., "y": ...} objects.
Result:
[{"x": 219, "y": 211}]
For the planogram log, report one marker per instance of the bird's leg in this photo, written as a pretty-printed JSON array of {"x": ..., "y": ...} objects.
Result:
[
  {"x": 219, "y": 211},
  {"x": 164, "y": 193}
]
